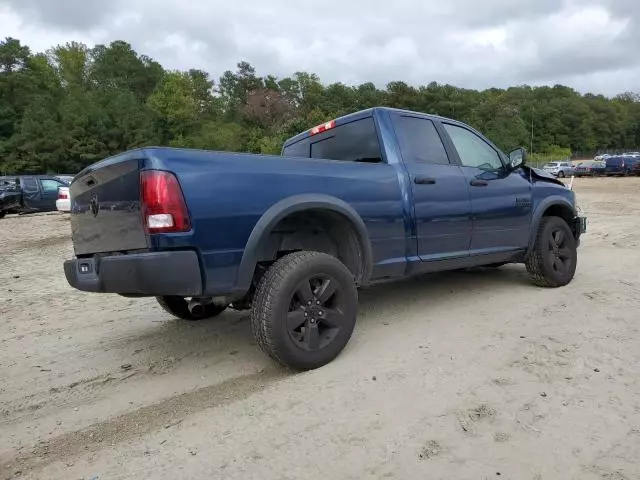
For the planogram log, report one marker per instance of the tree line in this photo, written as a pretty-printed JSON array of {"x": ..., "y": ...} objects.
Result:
[{"x": 72, "y": 105}]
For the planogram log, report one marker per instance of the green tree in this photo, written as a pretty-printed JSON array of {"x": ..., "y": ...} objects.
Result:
[{"x": 75, "y": 104}]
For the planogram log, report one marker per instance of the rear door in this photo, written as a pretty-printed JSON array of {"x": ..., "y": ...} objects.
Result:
[
  {"x": 501, "y": 200},
  {"x": 31, "y": 193},
  {"x": 442, "y": 207},
  {"x": 614, "y": 165}
]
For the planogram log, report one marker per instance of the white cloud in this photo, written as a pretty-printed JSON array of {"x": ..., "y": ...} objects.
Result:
[{"x": 587, "y": 44}]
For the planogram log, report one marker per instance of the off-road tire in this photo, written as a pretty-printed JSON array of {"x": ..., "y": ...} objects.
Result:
[
  {"x": 540, "y": 262},
  {"x": 275, "y": 299},
  {"x": 179, "y": 307}
]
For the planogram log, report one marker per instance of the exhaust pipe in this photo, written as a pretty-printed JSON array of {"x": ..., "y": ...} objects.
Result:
[{"x": 196, "y": 307}]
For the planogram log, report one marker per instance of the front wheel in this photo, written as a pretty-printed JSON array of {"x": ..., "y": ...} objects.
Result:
[
  {"x": 305, "y": 309},
  {"x": 553, "y": 260},
  {"x": 179, "y": 307}
]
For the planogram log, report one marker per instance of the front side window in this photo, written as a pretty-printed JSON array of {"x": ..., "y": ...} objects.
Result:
[
  {"x": 50, "y": 186},
  {"x": 473, "y": 150}
]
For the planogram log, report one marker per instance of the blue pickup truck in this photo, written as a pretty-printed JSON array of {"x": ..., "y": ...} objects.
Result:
[{"x": 375, "y": 195}]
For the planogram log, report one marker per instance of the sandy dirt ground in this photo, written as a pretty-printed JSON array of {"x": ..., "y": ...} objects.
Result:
[{"x": 455, "y": 376}]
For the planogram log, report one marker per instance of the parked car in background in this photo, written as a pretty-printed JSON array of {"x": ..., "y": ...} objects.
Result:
[
  {"x": 560, "y": 169},
  {"x": 620, "y": 166},
  {"x": 63, "y": 203},
  {"x": 65, "y": 178},
  {"x": 29, "y": 193},
  {"x": 590, "y": 168}
]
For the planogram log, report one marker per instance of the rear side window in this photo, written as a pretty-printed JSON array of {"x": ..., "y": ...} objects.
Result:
[
  {"x": 419, "y": 140},
  {"x": 354, "y": 142}
]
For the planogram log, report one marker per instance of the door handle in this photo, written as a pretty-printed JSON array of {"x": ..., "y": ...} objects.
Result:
[
  {"x": 478, "y": 183},
  {"x": 421, "y": 180}
]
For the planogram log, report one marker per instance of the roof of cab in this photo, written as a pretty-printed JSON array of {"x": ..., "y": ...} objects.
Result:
[{"x": 359, "y": 115}]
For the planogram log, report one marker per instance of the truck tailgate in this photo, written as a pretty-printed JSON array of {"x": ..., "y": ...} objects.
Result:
[{"x": 106, "y": 215}]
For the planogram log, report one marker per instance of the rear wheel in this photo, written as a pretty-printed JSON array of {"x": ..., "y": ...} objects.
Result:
[
  {"x": 304, "y": 310},
  {"x": 179, "y": 307},
  {"x": 552, "y": 262},
  {"x": 561, "y": 174}
]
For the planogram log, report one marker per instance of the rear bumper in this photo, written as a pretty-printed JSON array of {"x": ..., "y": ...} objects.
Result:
[
  {"x": 156, "y": 273},
  {"x": 63, "y": 205}
]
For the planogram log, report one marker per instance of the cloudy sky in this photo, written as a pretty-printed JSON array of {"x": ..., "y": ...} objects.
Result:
[{"x": 591, "y": 45}]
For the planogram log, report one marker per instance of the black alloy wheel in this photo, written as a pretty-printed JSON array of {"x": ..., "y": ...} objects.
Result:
[
  {"x": 559, "y": 252},
  {"x": 316, "y": 312},
  {"x": 552, "y": 261},
  {"x": 305, "y": 310}
]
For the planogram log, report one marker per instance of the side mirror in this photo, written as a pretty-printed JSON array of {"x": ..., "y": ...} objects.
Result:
[{"x": 517, "y": 158}]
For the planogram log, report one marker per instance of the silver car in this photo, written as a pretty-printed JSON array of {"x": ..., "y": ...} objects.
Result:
[{"x": 560, "y": 169}]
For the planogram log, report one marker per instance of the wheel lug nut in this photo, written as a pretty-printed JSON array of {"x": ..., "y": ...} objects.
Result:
[
  {"x": 306, "y": 314},
  {"x": 309, "y": 302},
  {"x": 317, "y": 302},
  {"x": 320, "y": 313}
]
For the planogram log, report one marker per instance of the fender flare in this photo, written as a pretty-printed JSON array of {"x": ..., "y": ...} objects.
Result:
[
  {"x": 554, "y": 200},
  {"x": 298, "y": 203}
]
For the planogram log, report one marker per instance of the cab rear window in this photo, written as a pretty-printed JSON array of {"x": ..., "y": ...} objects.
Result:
[{"x": 355, "y": 141}]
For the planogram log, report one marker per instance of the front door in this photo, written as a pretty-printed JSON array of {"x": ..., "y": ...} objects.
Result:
[
  {"x": 442, "y": 208},
  {"x": 501, "y": 199},
  {"x": 49, "y": 188}
]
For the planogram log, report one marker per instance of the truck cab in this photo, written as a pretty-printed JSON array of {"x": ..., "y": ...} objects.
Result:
[{"x": 466, "y": 202}]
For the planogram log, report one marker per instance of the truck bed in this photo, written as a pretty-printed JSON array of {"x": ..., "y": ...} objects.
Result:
[{"x": 229, "y": 193}]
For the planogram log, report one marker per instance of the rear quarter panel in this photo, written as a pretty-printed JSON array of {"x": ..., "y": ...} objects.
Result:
[{"x": 228, "y": 193}]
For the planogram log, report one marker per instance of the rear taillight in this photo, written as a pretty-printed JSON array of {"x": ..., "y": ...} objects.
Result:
[
  {"x": 163, "y": 205},
  {"x": 62, "y": 195}
]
